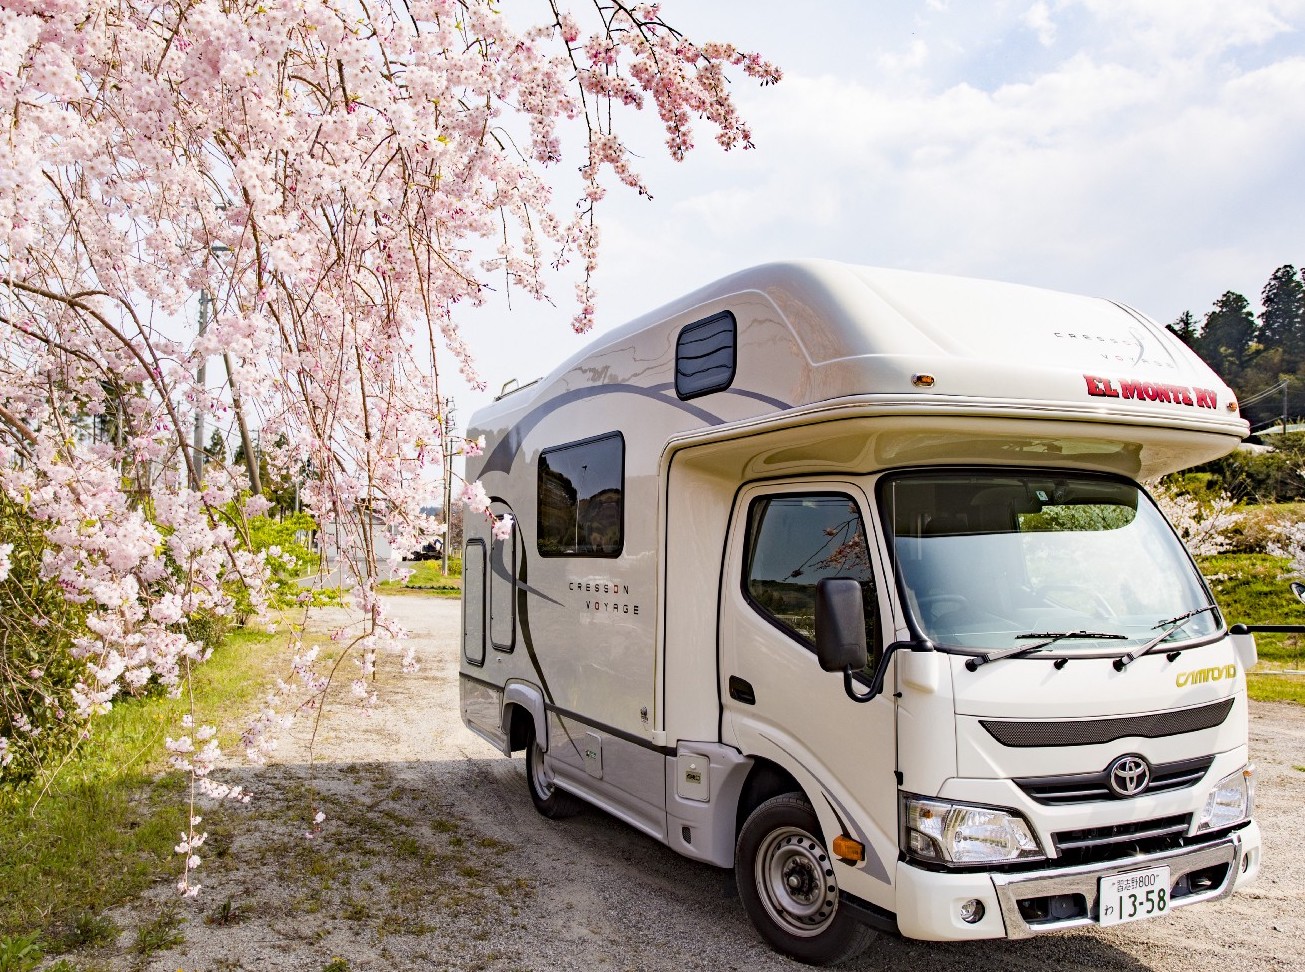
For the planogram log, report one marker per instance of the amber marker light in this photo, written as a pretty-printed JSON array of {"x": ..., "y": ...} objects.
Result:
[
  {"x": 847, "y": 849},
  {"x": 922, "y": 381}
]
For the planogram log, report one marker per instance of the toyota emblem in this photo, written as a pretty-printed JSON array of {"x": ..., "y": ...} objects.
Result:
[{"x": 1128, "y": 776}]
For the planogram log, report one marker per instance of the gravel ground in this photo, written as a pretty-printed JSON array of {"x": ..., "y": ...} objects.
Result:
[{"x": 432, "y": 857}]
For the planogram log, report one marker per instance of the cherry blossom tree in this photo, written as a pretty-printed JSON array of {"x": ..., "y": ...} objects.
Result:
[
  {"x": 1205, "y": 528},
  {"x": 340, "y": 181}
]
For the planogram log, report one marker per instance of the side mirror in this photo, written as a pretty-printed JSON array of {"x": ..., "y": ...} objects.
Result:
[
  {"x": 1298, "y": 589},
  {"x": 840, "y": 624},
  {"x": 1243, "y": 642}
]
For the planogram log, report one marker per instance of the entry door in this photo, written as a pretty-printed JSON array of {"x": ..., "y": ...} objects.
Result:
[{"x": 778, "y": 702}]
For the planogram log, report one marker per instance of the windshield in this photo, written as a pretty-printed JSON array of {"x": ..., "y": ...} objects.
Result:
[{"x": 997, "y": 559}]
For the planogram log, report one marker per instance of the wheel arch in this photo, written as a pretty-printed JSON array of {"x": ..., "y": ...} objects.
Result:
[
  {"x": 523, "y": 709},
  {"x": 765, "y": 779}
]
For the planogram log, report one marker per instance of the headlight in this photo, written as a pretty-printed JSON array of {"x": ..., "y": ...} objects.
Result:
[
  {"x": 1231, "y": 802},
  {"x": 953, "y": 833}
]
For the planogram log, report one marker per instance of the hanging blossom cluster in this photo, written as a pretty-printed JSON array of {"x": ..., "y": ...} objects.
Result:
[
  {"x": 339, "y": 182},
  {"x": 1205, "y": 528}
]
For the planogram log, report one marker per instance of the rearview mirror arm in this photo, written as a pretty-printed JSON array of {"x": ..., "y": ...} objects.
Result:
[{"x": 881, "y": 671}]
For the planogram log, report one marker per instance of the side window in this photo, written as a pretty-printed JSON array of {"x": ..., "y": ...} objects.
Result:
[
  {"x": 473, "y": 602},
  {"x": 793, "y": 542},
  {"x": 502, "y": 591},
  {"x": 581, "y": 498},
  {"x": 705, "y": 356}
]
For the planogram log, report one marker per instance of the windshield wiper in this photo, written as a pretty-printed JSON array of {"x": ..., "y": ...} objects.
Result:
[
  {"x": 1049, "y": 638},
  {"x": 1123, "y": 661}
]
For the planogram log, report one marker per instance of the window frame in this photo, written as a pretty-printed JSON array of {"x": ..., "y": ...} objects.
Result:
[
  {"x": 874, "y": 647},
  {"x": 482, "y": 605},
  {"x": 511, "y": 568},
  {"x": 539, "y": 520}
]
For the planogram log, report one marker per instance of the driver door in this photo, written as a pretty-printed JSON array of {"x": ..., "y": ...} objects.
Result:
[{"x": 778, "y": 703}]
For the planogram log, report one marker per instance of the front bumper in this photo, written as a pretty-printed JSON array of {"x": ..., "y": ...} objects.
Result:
[{"x": 1030, "y": 903}]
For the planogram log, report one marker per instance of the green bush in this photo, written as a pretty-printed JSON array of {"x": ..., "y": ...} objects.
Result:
[
  {"x": 37, "y": 669},
  {"x": 1260, "y": 477},
  {"x": 288, "y": 559}
]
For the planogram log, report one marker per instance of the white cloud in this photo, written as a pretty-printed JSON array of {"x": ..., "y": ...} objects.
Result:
[
  {"x": 1193, "y": 28},
  {"x": 911, "y": 59},
  {"x": 1038, "y": 19}
]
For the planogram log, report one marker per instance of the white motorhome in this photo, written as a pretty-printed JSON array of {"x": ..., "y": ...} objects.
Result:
[{"x": 843, "y": 578}]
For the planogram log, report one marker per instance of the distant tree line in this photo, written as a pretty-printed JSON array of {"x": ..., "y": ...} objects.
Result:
[{"x": 1262, "y": 358}]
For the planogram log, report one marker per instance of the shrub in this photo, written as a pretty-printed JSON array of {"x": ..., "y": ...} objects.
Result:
[{"x": 38, "y": 670}]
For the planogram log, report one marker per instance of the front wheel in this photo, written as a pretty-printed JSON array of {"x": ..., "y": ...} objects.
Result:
[
  {"x": 547, "y": 798},
  {"x": 786, "y": 880}
]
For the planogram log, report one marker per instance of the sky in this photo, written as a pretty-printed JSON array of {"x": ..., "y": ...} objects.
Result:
[{"x": 1150, "y": 151}]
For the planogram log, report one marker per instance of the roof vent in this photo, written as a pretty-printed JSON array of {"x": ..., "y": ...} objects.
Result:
[{"x": 705, "y": 356}]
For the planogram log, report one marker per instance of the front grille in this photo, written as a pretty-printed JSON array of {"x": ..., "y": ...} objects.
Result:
[
  {"x": 1095, "y": 845},
  {"x": 1090, "y": 787},
  {"x": 1091, "y": 732}
]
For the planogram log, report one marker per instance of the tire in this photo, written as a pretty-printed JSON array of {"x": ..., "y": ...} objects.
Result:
[
  {"x": 786, "y": 881},
  {"x": 549, "y": 800}
]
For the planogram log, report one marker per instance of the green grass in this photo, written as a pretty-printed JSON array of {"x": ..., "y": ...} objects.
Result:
[
  {"x": 105, "y": 828},
  {"x": 426, "y": 578},
  {"x": 1252, "y": 589}
]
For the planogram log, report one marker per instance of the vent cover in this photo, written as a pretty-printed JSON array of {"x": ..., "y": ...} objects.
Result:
[
  {"x": 705, "y": 356},
  {"x": 1091, "y": 732}
]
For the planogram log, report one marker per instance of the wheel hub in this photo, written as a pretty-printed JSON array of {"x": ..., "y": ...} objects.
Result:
[{"x": 796, "y": 879}]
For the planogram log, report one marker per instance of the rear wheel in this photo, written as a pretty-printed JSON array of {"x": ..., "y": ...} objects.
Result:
[
  {"x": 786, "y": 880},
  {"x": 544, "y": 793}
]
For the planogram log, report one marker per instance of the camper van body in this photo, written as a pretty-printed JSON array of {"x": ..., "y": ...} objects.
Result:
[{"x": 631, "y": 630}]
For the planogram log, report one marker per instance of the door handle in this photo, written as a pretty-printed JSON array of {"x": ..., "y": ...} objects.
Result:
[{"x": 741, "y": 691}]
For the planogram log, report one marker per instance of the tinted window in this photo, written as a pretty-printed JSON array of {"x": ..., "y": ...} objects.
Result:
[
  {"x": 581, "y": 505},
  {"x": 704, "y": 356},
  {"x": 473, "y": 602},
  {"x": 502, "y": 591},
  {"x": 794, "y": 542}
]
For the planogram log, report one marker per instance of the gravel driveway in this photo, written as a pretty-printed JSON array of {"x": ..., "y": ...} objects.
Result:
[{"x": 432, "y": 857}]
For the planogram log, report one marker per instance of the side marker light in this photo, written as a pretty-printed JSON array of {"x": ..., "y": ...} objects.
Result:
[{"x": 847, "y": 849}]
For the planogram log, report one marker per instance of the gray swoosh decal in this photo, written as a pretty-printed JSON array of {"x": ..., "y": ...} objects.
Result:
[
  {"x": 872, "y": 864},
  {"x": 502, "y": 456}
]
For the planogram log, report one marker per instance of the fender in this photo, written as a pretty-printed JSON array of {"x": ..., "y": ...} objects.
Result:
[
  {"x": 871, "y": 879},
  {"x": 530, "y": 698}
]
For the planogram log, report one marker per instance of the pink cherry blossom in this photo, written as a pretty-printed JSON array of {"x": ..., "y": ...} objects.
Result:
[{"x": 335, "y": 185}]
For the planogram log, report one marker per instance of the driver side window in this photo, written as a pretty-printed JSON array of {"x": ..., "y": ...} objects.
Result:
[{"x": 793, "y": 542}]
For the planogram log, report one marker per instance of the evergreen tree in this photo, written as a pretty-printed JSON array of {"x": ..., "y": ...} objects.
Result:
[
  {"x": 1228, "y": 339},
  {"x": 1282, "y": 323},
  {"x": 216, "y": 450},
  {"x": 1185, "y": 328}
]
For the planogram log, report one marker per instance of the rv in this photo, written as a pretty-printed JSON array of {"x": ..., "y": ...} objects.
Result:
[{"x": 843, "y": 578}]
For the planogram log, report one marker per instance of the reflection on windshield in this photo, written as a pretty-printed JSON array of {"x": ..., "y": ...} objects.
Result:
[{"x": 986, "y": 557}]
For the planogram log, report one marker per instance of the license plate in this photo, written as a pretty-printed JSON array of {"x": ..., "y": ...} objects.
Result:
[{"x": 1133, "y": 896}]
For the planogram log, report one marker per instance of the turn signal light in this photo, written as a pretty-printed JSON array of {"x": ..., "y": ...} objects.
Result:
[{"x": 847, "y": 849}]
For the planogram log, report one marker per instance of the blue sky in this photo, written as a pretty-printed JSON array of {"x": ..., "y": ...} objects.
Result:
[{"x": 1152, "y": 151}]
